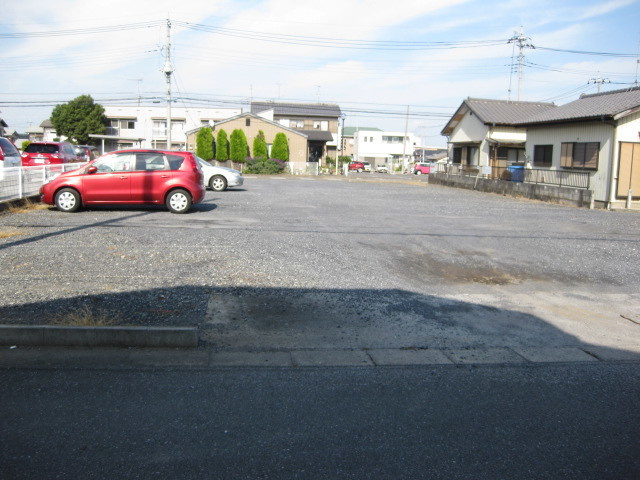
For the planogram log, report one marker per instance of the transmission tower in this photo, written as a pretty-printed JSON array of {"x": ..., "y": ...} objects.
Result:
[{"x": 522, "y": 42}]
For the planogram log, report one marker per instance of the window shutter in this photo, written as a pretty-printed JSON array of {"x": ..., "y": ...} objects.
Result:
[
  {"x": 566, "y": 155},
  {"x": 591, "y": 155}
]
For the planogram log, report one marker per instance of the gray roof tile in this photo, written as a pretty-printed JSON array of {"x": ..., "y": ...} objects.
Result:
[
  {"x": 505, "y": 112},
  {"x": 588, "y": 107},
  {"x": 299, "y": 109}
]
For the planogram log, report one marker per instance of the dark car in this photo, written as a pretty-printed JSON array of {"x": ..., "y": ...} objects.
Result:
[
  {"x": 9, "y": 154},
  {"x": 47, "y": 153},
  {"x": 130, "y": 177},
  {"x": 86, "y": 153}
]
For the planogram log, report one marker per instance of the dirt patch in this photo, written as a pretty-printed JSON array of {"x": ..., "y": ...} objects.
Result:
[{"x": 465, "y": 267}]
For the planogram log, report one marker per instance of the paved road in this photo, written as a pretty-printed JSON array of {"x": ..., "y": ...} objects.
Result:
[
  {"x": 526, "y": 422},
  {"x": 301, "y": 263}
]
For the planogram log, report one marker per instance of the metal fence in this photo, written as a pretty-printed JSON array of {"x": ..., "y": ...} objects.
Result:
[
  {"x": 561, "y": 178},
  {"x": 20, "y": 182}
]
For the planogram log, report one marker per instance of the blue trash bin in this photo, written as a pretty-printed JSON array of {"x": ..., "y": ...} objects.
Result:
[{"x": 517, "y": 173}]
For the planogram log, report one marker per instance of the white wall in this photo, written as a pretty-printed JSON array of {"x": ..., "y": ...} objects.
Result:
[
  {"x": 581, "y": 132},
  {"x": 145, "y": 116},
  {"x": 374, "y": 147}
]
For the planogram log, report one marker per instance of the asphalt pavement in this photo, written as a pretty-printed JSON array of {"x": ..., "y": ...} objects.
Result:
[{"x": 438, "y": 422}]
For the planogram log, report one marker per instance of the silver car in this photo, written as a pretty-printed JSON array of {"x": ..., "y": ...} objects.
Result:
[{"x": 220, "y": 178}]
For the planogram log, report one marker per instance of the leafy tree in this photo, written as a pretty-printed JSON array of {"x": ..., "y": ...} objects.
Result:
[
  {"x": 238, "y": 147},
  {"x": 25, "y": 144},
  {"x": 79, "y": 118},
  {"x": 222, "y": 146},
  {"x": 204, "y": 143},
  {"x": 260, "y": 146},
  {"x": 280, "y": 149}
]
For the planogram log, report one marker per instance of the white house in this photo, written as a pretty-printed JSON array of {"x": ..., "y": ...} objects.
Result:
[
  {"x": 146, "y": 126},
  {"x": 380, "y": 147},
  {"x": 483, "y": 132},
  {"x": 598, "y": 134}
]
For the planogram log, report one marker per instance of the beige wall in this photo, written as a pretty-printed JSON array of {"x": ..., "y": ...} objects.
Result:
[{"x": 297, "y": 142}]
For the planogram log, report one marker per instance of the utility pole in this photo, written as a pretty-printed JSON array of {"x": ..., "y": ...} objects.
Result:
[
  {"x": 599, "y": 81},
  {"x": 168, "y": 70},
  {"x": 404, "y": 142},
  {"x": 521, "y": 42}
]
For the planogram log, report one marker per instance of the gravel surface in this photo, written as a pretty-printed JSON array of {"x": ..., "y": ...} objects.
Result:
[{"x": 326, "y": 263}]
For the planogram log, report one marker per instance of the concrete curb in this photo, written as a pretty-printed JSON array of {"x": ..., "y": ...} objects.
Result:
[
  {"x": 48, "y": 335},
  {"x": 102, "y": 357}
]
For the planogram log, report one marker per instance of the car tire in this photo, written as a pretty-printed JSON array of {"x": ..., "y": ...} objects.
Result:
[
  {"x": 179, "y": 201},
  {"x": 359, "y": 170},
  {"x": 418, "y": 172},
  {"x": 68, "y": 200},
  {"x": 218, "y": 183}
]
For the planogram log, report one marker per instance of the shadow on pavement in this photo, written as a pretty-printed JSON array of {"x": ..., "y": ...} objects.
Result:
[{"x": 271, "y": 319}]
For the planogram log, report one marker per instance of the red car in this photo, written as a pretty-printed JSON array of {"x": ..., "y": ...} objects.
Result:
[
  {"x": 46, "y": 153},
  {"x": 357, "y": 166},
  {"x": 130, "y": 177},
  {"x": 421, "y": 168}
]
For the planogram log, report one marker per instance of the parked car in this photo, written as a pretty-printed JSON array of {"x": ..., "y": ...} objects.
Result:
[
  {"x": 86, "y": 153},
  {"x": 421, "y": 168},
  {"x": 9, "y": 154},
  {"x": 220, "y": 178},
  {"x": 382, "y": 169},
  {"x": 134, "y": 176},
  {"x": 47, "y": 153},
  {"x": 367, "y": 166},
  {"x": 357, "y": 166}
]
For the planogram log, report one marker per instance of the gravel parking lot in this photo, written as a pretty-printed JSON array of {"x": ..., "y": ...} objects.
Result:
[{"x": 330, "y": 263}]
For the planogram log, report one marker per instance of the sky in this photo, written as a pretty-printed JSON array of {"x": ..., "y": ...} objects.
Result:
[{"x": 390, "y": 65}]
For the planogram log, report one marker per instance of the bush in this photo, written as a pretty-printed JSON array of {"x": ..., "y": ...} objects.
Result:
[
  {"x": 204, "y": 143},
  {"x": 238, "y": 147},
  {"x": 25, "y": 144},
  {"x": 280, "y": 148},
  {"x": 222, "y": 146},
  {"x": 264, "y": 166}
]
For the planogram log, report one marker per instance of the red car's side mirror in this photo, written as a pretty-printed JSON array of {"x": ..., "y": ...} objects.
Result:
[{"x": 92, "y": 169}]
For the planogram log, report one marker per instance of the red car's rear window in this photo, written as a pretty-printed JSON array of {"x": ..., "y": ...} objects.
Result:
[{"x": 41, "y": 148}]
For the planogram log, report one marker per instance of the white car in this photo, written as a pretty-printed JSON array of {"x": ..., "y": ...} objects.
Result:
[
  {"x": 220, "y": 178},
  {"x": 367, "y": 166}
]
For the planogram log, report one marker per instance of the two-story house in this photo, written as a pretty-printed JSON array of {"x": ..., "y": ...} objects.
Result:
[
  {"x": 319, "y": 122},
  {"x": 146, "y": 126},
  {"x": 384, "y": 148}
]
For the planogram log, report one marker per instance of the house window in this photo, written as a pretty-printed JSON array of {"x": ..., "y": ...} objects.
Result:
[
  {"x": 365, "y": 139},
  {"x": 580, "y": 155},
  {"x": 316, "y": 125},
  {"x": 542, "y": 155},
  {"x": 324, "y": 125},
  {"x": 457, "y": 155},
  {"x": 127, "y": 124},
  {"x": 247, "y": 122}
]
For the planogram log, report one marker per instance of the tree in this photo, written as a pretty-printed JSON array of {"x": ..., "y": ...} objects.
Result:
[
  {"x": 280, "y": 149},
  {"x": 238, "y": 147},
  {"x": 260, "y": 146},
  {"x": 222, "y": 146},
  {"x": 79, "y": 118},
  {"x": 204, "y": 143}
]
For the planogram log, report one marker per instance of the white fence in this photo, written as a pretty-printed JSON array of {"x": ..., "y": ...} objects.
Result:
[{"x": 20, "y": 182}]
